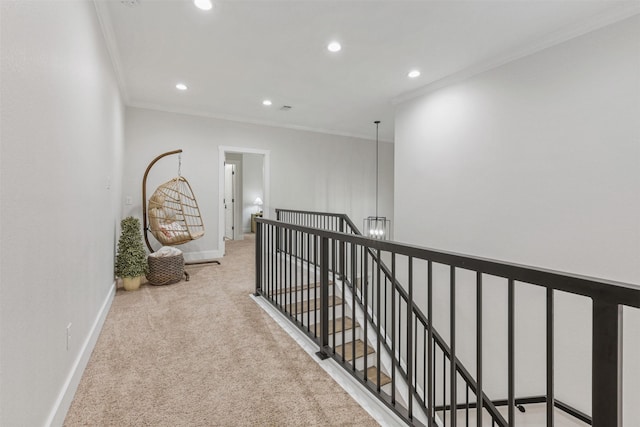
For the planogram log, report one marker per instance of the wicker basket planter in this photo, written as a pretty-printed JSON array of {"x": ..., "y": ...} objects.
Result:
[{"x": 165, "y": 270}]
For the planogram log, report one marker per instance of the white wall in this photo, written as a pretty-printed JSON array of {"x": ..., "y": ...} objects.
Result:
[
  {"x": 62, "y": 143},
  {"x": 535, "y": 162},
  {"x": 309, "y": 171}
]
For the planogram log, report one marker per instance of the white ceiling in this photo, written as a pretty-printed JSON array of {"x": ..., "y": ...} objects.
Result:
[{"x": 242, "y": 52}]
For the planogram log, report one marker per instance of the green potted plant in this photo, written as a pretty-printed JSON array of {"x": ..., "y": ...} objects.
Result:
[{"x": 131, "y": 259}]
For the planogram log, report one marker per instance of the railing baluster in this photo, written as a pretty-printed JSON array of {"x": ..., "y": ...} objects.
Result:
[
  {"x": 354, "y": 318},
  {"x": 378, "y": 334},
  {"x": 467, "y": 406},
  {"x": 366, "y": 312},
  {"x": 353, "y": 341},
  {"x": 479, "y": 392},
  {"x": 278, "y": 267},
  {"x": 424, "y": 368},
  {"x": 289, "y": 266},
  {"x": 300, "y": 263},
  {"x": 409, "y": 340},
  {"x": 444, "y": 388},
  {"x": 344, "y": 286},
  {"x": 333, "y": 295},
  {"x": 452, "y": 363},
  {"x": 511, "y": 354},
  {"x": 393, "y": 330},
  {"x": 386, "y": 305},
  {"x": 285, "y": 269},
  {"x": 433, "y": 385},
  {"x": 308, "y": 284},
  {"x": 316, "y": 319},
  {"x": 282, "y": 261},
  {"x": 415, "y": 353},
  {"x": 272, "y": 253},
  {"x": 430, "y": 375},
  {"x": 294, "y": 285},
  {"x": 269, "y": 247},
  {"x": 343, "y": 273},
  {"x": 399, "y": 329},
  {"x": 550, "y": 359}
]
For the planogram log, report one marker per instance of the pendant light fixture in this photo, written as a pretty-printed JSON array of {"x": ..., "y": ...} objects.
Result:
[{"x": 377, "y": 227}]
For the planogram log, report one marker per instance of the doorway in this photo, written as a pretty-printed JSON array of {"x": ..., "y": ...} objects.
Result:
[{"x": 237, "y": 203}]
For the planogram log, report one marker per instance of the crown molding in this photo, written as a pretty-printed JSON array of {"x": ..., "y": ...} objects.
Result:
[
  {"x": 239, "y": 119},
  {"x": 112, "y": 46},
  {"x": 624, "y": 11}
]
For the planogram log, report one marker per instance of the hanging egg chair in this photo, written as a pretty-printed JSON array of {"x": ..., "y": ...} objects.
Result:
[{"x": 174, "y": 216}]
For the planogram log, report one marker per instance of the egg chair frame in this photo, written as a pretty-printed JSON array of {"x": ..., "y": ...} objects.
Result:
[{"x": 173, "y": 216}]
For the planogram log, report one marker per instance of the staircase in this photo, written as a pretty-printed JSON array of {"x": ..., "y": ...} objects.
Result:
[
  {"x": 354, "y": 338},
  {"x": 346, "y": 335},
  {"x": 345, "y": 292}
]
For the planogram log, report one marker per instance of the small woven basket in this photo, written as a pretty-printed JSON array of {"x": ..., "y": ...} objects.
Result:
[{"x": 165, "y": 270}]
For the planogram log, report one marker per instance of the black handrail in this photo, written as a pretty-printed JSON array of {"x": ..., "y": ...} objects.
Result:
[
  {"x": 606, "y": 291},
  {"x": 607, "y": 298}
]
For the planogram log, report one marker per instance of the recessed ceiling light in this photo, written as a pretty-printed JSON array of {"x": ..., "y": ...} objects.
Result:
[
  {"x": 413, "y": 74},
  {"x": 266, "y": 102},
  {"x": 203, "y": 4},
  {"x": 181, "y": 86},
  {"x": 334, "y": 47}
]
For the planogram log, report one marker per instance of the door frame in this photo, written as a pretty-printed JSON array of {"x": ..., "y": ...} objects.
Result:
[
  {"x": 234, "y": 198},
  {"x": 222, "y": 150}
]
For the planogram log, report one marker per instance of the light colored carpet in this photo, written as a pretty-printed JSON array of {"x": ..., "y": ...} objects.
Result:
[{"x": 202, "y": 353}]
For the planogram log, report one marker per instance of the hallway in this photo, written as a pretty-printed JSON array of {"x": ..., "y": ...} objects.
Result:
[{"x": 202, "y": 353}]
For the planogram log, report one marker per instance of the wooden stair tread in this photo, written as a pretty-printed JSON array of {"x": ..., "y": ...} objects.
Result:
[
  {"x": 348, "y": 324},
  {"x": 301, "y": 288},
  {"x": 372, "y": 375},
  {"x": 314, "y": 304},
  {"x": 360, "y": 350}
]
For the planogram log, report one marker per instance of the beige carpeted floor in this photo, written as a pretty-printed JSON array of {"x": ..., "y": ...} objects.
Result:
[{"x": 202, "y": 353}]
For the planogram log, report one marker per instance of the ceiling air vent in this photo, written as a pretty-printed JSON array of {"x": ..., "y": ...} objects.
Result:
[
  {"x": 130, "y": 3},
  {"x": 286, "y": 108}
]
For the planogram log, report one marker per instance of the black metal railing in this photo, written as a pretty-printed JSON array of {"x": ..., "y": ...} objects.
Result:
[
  {"x": 368, "y": 295},
  {"x": 322, "y": 220},
  {"x": 318, "y": 271},
  {"x": 436, "y": 346}
]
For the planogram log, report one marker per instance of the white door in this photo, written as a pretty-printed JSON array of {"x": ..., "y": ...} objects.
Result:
[{"x": 229, "y": 201}]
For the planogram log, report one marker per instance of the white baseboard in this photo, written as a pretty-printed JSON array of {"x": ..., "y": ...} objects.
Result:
[
  {"x": 202, "y": 256},
  {"x": 63, "y": 402}
]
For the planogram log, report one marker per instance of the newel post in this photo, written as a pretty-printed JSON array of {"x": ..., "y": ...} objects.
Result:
[
  {"x": 607, "y": 364},
  {"x": 258, "y": 258},
  {"x": 324, "y": 298}
]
